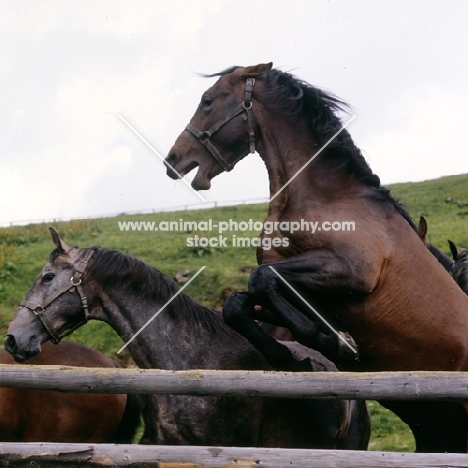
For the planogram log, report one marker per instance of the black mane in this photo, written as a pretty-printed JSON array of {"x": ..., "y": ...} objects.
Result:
[
  {"x": 319, "y": 109},
  {"x": 221, "y": 73},
  {"x": 111, "y": 268}
]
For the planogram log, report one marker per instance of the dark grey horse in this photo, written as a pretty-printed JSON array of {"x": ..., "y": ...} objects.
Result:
[
  {"x": 125, "y": 292},
  {"x": 460, "y": 267}
]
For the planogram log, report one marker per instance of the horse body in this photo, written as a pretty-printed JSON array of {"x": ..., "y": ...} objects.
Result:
[
  {"x": 378, "y": 282},
  {"x": 126, "y": 293},
  {"x": 49, "y": 416},
  {"x": 391, "y": 329}
]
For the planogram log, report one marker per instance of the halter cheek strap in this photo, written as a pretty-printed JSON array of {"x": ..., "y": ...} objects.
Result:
[
  {"x": 204, "y": 136},
  {"x": 71, "y": 286}
]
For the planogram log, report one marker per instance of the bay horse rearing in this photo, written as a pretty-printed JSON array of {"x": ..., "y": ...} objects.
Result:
[
  {"x": 125, "y": 292},
  {"x": 378, "y": 281},
  {"x": 28, "y": 415}
]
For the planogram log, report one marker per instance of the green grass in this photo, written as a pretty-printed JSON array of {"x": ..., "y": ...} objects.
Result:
[
  {"x": 389, "y": 433},
  {"x": 444, "y": 204},
  {"x": 25, "y": 249}
]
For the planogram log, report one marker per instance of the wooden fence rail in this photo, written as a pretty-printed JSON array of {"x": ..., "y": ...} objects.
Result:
[
  {"x": 15, "y": 455},
  {"x": 369, "y": 386},
  {"x": 379, "y": 386}
]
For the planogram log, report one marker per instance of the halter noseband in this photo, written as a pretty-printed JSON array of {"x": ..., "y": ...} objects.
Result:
[
  {"x": 203, "y": 136},
  {"x": 71, "y": 286}
]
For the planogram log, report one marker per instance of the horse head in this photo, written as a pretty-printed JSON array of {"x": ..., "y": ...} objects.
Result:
[
  {"x": 49, "y": 310},
  {"x": 460, "y": 266},
  {"x": 222, "y": 131}
]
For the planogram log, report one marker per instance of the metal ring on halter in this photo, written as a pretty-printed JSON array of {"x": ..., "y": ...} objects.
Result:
[
  {"x": 204, "y": 136},
  {"x": 38, "y": 312},
  {"x": 73, "y": 283}
]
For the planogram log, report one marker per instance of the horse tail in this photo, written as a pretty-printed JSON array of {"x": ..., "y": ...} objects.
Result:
[{"x": 131, "y": 420}]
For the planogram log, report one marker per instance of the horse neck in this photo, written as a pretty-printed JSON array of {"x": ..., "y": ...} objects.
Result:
[
  {"x": 296, "y": 171},
  {"x": 182, "y": 336}
]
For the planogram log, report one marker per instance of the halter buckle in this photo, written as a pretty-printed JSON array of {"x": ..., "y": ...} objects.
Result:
[
  {"x": 204, "y": 136},
  {"x": 38, "y": 310}
]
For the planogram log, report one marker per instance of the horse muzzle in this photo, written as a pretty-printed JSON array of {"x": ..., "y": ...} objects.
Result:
[
  {"x": 178, "y": 168},
  {"x": 22, "y": 353}
]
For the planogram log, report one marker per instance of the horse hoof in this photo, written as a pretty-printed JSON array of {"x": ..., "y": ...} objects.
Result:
[
  {"x": 348, "y": 348},
  {"x": 303, "y": 366}
]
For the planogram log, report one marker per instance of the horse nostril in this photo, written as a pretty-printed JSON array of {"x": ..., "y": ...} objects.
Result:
[
  {"x": 171, "y": 161},
  {"x": 9, "y": 342}
]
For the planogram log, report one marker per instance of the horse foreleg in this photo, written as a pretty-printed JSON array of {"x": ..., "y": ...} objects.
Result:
[
  {"x": 307, "y": 329},
  {"x": 239, "y": 313},
  {"x": 286, "y": 289}
]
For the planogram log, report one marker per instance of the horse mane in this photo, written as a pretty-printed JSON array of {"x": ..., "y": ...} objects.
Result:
[
  {"x": 318, "y": 109},
  {"x": 221, "y": 73},
  {"x": 112, "y": 268}
]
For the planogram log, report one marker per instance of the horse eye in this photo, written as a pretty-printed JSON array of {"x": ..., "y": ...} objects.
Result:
[
  {"x": 207, "y": 101},
  {"x": 48, "y": 277}
]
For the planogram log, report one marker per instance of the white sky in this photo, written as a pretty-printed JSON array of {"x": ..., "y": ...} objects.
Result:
[{"x": 70, "y": 67}]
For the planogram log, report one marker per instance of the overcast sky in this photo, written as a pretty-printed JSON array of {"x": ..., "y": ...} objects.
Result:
[{"x": 69, "y": 68}]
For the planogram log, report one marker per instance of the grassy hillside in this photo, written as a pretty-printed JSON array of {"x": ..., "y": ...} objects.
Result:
[
  {"x": 24, "y": 250},
  {"x": 444, "y": 203}
]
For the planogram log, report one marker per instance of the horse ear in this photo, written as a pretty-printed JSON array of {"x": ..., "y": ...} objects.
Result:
[
  {"x": 256, "y": 70},
  {"x": 59, "y": 242},
  {"x": 453, "y": 249},
  {"x": 422, "y": 230}
]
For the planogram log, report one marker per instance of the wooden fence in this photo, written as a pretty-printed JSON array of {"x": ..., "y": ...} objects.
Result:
[
  {"x": 392, "y": 385},
  {"x": 38, "y": 455},
  {"x": 345, "y": 385}
]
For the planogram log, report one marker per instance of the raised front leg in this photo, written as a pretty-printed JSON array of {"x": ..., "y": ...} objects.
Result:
[
  {"x": 299, "y": 293},
  {"x": 239, "y": 313}
]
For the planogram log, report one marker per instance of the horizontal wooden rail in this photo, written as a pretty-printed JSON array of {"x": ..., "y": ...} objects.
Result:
[
  {"x": 376, "y": 386},
  {"x": 135, "y": 456}
]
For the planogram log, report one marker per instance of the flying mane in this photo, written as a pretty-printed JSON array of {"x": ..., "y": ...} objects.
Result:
[{"x": 318, "y": 109}]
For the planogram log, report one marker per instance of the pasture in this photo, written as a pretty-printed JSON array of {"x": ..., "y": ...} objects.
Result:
[{"x": 443, "y": 202}]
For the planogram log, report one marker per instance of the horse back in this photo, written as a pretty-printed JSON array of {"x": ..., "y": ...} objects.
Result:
[
  {"x": 392, "y": 295},
  {"x": 28, "y": 415}
]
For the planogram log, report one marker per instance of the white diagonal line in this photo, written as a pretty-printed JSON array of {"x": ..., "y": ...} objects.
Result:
[
  {"x": 312, "y": 158},
  {"x": 161, "y": 309},
  {"x": 159, "y": 156},
  {"x": 315, "y": 312}
]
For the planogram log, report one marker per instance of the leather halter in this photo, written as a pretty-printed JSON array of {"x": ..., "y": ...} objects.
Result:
[
  {"x": 203, "y": 136},
  {"x": 71, "y": 286}
]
